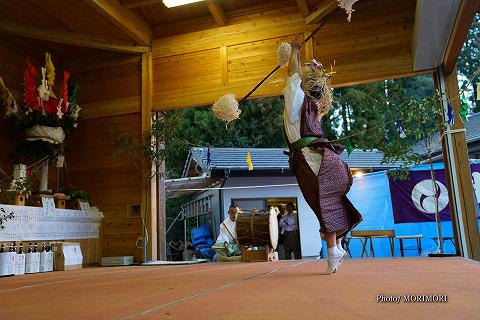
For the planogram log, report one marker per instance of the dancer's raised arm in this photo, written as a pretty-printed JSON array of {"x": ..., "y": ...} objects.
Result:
[{"x": 294, "y": 64}]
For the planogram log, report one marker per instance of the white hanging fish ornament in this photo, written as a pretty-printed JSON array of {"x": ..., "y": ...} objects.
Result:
[{"x": 347, "y": 6}]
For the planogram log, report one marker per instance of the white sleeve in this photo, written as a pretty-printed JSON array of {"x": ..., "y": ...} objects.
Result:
[
  {"x": 223, "y": 234},
  {"x": 294, "y": 96}
]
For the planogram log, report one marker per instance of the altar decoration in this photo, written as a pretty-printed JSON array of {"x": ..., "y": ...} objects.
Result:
[
  {"x": 49, "y": 223},
  {"x": 44, "y": 116}
]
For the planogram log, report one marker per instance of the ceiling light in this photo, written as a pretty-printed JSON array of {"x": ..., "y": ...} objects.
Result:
[{"x": 176, "y": 3}]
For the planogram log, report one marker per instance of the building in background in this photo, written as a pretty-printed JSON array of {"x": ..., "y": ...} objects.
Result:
[{"x": 216, "y": 176}]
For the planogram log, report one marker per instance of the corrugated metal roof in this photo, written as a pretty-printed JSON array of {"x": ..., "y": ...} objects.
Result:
[
  {"x": 274, "y": 158},
  {"x": 186, "y": 186}
]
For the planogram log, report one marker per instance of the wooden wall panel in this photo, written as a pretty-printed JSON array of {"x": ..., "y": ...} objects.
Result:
[
  {"x": 109, "y": 83},
  {"x": 114, "y": 183},
  {"x": 252, "y": 61},
  {"x": 375, "y": 45},
  {"x": 110, "y": 95},
  {"x": 12, "y": 66},
  {"x": 179, "y": 76}
]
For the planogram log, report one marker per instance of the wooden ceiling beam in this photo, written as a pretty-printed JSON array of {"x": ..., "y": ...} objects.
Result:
[
  {"x": 303, "y": 7},
  {"x": 466, "y": 13},
  {"x": 123, "y": 18},
  {"x": 217, "y": 12},
  {"x": 71, "y": 38},
  {"x": 130, "y": 4},
  {"x": 321, "y": 11},
  {"x": 279, "y": 26}
]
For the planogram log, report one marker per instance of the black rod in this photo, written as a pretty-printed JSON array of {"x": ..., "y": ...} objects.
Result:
[{"x": 278, "y": 67}]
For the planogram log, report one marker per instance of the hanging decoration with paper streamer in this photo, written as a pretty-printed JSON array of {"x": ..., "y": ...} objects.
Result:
[
  {"x": 463, "y": 109},
  {"x": 249, "y": 161},
  {"x": 401, "y": 133},
  {"x": 50, "y": 73},
  {"x": 30, "y": 93},
  {"x": 450, "y": 114},
  {"x": 209, "y": 159},
  {"x": 348, "y": 147}
]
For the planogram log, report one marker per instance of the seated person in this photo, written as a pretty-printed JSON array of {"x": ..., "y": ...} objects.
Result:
[
  {"x": 178, "y": 248},
  {"x": 226, "y": 244}
]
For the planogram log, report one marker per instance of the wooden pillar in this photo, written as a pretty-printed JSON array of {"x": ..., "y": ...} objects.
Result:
[
  {"x": 161, "y": 208},
  {"x": 149, "y": 186},
  {"x": 448, "y": 178},
  {"x": 457, "y": 165},
  {"x": 309, "y": 50}
]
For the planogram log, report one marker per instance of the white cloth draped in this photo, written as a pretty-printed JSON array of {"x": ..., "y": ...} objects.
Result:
[
  {"x": 294, "y": 97},
  {"x": 48, "y": 134}
]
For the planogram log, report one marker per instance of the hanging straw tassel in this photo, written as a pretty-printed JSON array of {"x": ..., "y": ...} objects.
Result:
[{"x": 227, "y": 108}]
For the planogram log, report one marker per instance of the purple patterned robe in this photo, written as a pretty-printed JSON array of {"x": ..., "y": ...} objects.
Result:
[{"x": 326, "y": 192}]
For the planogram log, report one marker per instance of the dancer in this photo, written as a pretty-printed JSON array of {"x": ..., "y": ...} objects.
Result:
[{"x": 322, "y": 176}]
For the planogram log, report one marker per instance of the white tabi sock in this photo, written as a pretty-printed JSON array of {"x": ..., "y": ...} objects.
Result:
[
  {"x": 339, "y": 246},
  {"x": 334, "y": 252}
]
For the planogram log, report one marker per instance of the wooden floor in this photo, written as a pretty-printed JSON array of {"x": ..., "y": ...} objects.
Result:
[{"x": 276, "y": 290}]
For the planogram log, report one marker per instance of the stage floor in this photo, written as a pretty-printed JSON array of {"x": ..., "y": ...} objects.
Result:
[{"x": 275, "y": 290}]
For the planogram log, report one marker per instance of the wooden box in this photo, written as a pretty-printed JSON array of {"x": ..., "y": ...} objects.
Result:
[
  {"x": 61, "y": 201},
  {"x": 19, "y": 200},
  {"x": 257, "y": 253},
  {"x": 35, "y": 200},
  {"x": 68, "y": 256}
]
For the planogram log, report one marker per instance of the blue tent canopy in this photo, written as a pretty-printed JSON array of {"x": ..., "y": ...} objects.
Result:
[{"x": 371, "y": 195}]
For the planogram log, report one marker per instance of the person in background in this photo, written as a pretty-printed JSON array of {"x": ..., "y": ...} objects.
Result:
[
  {"x": 226, "y": 244},
  {"x": 281, "y": 236},
  {"x": 289, "y": 226}
]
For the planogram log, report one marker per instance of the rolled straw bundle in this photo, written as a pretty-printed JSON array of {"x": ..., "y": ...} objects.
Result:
[
  {"x": 283, "y": 53},
  {"x": 226, "y": 108}
]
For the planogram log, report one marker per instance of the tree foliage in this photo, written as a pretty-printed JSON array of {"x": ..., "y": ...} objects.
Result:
[
  {"x": 260, "y": 125},
  {"x": 469, "y": 59}
]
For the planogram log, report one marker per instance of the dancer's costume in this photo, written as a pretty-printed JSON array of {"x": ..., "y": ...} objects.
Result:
[{"x": 323, "y": 177}]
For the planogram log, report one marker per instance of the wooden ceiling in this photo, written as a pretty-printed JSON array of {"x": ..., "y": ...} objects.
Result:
[
  {"x": 215, "y": 46},
  {"x": 131, "y": 25}
]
